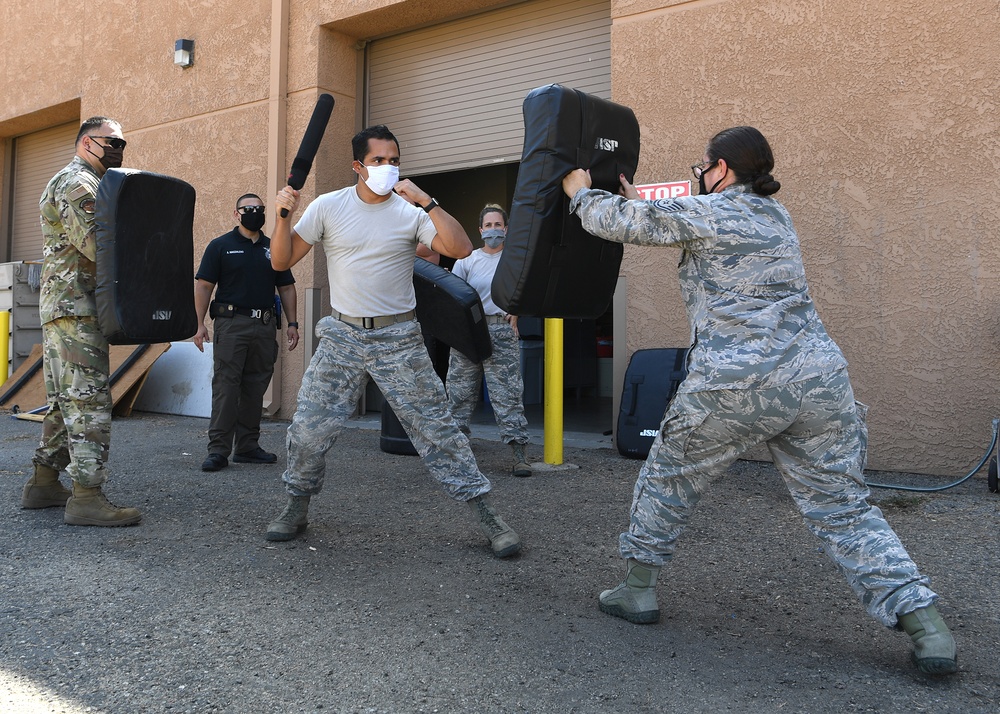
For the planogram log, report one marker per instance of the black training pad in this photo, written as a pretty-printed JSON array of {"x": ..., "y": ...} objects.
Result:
[
  {"x": 651, "y": 380},
  {"x": 450, "y": 310},
  {"x": 550, "y": 266},
  {"x": 145, "y": 258}
]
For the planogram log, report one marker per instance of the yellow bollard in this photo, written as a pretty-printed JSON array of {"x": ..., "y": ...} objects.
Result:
[
  {"x": 553, "y": 391},
  {"x": 4, "y": 345}
]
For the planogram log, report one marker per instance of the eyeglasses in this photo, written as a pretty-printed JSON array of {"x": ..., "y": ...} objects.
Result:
[
  {"x": 699, "y": 169},
  {"x": 113, "y": 141},
  {"x": 250, "y": 209}
]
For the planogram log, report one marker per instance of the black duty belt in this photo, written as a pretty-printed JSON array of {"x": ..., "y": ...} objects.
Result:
[
  {"x": 256, "y": 313},
  {"x": 373, "y": 323},
  {"x": 224, "y": 309}
]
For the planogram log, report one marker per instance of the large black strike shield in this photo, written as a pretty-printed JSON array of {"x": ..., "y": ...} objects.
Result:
[
  {"x": 550, "y": 266},
  {"x": 651, "y": 380},
  {"x": 145, "y": 258},
  {"x": 450, "y": 310}
]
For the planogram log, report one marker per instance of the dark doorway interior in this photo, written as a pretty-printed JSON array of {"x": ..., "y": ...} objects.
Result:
[{"x": 587, "y": 353}]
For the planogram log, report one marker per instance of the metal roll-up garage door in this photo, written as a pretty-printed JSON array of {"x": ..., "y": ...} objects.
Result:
[
  {"x": 452, "y": 93},
  {"x": 37, "y": 158}
]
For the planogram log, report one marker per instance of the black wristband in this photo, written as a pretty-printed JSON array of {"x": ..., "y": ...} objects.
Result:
[
  {"x": 431, "y": 206},
  {"x": 293, "y": 324}
]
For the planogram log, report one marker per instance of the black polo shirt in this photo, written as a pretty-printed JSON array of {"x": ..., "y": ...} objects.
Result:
[{"x": 241, "y": 271}]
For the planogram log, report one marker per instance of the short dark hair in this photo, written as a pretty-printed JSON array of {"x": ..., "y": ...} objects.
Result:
[
  {"x": 248, "y": 195},
  {"x": 359, "y": 144},
  {"x": 748, "y": 155},
  {"x": 94, "y": 123},
  {"x": 492, "y": 208}
]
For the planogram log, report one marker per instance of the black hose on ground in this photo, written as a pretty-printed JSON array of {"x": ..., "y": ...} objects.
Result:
[{"x": 991, "y": 481}]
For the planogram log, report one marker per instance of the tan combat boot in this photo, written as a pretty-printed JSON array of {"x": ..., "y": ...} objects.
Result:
[
  {"x": 934, "y": 649},
  {"x": 44, "y": 490},
  {"x": 88, "y": 506},
  {"x": 521, "y": 466},
  {"x": 292, "y": 521},
  {"x": 635, "y": 599},
  {"x": 503, "y": 539}
]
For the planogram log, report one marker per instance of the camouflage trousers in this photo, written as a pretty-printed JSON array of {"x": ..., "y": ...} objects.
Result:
[
  {"x": 817, "y": 437},
  {"x": 502, "y": 371},
  {"x": 396, "y": 358},
  {"x": 76, "y": 431}
]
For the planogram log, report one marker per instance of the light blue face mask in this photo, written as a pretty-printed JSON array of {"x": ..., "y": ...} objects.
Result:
[{"x": 493, "y": 237}]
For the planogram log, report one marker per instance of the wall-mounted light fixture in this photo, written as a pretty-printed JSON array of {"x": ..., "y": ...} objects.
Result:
[{"x": 184, "y": 53}]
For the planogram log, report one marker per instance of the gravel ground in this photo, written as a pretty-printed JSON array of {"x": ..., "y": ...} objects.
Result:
[{"x": 392, "y": 602}]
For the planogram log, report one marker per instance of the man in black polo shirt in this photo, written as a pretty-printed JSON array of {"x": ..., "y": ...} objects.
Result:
[{"x": 239, "y": 263}]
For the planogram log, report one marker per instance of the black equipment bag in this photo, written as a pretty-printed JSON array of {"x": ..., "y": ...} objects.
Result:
[
  {"x": 651, "y": 379},
  {"x": 449, "y": 309},
  {"x": 550, "y": 266},
  {"x": 145, "y": 258}
]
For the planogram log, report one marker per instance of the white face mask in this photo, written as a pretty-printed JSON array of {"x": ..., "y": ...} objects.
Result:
[{"x": 381, "y": 179}]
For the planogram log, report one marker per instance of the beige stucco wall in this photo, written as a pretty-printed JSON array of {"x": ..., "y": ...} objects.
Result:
[
  {"x": 882, "y": 117},
  {"x": 207, "y": 124}
]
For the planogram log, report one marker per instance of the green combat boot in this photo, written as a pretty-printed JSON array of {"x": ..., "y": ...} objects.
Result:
[
  {"x": 635, "y": 599},
  {"x": 502, "y": 537},
  {"x": 88, "y": 506},
  {"x": 933, "y": 646},
  {"x": 292, "y": 521},
  {"x": 44, "y": 490},
  {"x": 521, "y": 466}
]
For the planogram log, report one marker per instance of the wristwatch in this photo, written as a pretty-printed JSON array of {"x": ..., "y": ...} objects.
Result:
[
  {"x": 293, "y": 324},
  {"x": 431, "y": 206}
]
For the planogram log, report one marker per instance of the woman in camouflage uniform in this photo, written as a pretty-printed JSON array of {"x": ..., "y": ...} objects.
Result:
[
  {"x": 761, "y": 369},
  {"x": 502, "y": 370}
]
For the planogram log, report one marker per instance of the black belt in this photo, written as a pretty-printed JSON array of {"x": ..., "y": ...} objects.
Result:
[
  {"x": 262, "y": 314},
  {"x": 225, "y": 309}
]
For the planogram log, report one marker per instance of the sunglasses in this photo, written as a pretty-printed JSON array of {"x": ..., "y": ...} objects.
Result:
[
  {"x": 250, "y": 209},
  {"x": 113, "y": 141}
]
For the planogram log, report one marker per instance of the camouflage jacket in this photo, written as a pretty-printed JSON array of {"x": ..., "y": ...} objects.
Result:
[
  {"x": 753, "y": 323},
  {"x": 69, "y": 269}
]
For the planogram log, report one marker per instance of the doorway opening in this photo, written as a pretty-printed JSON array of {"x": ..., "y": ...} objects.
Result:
[{"x": 588, "y": 344}]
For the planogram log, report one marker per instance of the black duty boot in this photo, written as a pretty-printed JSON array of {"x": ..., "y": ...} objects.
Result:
[
  {"x": 43, "y": 489},
  {"x": 214, "y": 462},
  {"x": 934, "y": 649},
  {"x": 255, "y": 456},
  {"x": 292, "y": 521}
]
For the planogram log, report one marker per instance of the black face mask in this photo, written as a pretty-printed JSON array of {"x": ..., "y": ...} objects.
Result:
[
  {"x": 253, "y": 222},
  {"x": 703, "y": 191},
  {"x": 112, "y": 158}
]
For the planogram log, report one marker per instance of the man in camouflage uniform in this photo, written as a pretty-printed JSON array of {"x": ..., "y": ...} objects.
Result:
[
  {"x": 76, "y": 431},
  {"x": 369, "y": 234},
  {"x": 761, "y": 369},
  {"x": 502, "y": 370}
]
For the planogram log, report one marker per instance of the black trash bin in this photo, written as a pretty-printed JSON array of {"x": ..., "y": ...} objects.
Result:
[{"x": 394, "y": 439}]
